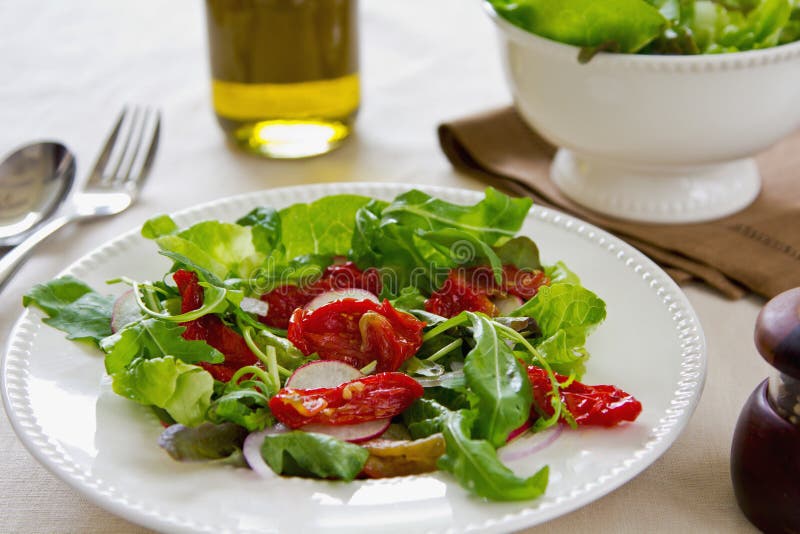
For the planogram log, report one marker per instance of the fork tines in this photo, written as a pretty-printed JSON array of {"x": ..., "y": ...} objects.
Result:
[{"x": 129, "y": 150}]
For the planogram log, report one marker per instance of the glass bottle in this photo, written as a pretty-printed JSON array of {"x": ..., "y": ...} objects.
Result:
[{"x": 285, "y": 81}]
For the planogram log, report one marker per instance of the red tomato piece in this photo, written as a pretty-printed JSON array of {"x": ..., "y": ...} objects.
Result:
[
  {"x": 212, "y": 330},
  {"x": 281, "y": 302},
  {"x": 589, "y": 405},
  {"x": 456, "y": 296},
  {"x": 365, "y": 399},
  {"x": 285, "y": 299},
  {"x": 473, "y": 288},
  {"x": 357, "y": 332}
]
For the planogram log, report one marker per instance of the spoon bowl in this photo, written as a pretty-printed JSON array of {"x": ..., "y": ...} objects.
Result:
[{"x": 34, "y": 180}]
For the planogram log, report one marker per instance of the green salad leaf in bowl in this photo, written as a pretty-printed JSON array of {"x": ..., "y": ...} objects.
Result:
[{"x": 657, "y": 26}]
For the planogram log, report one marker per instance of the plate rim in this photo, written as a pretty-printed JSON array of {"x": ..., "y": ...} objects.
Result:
[{"x": 684, "y": 401}]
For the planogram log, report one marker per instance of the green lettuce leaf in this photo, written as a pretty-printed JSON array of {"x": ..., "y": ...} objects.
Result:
[
  {"x": 182, "y": 390},
  {"x": 628, "y": 24},
  {"x": 306, "y": 454},
  {"x": 562, "y": 357},
  {"x": 159, "y": 226},
  {"x": 561, "y": 306},
  {"x": 73, "y": 307},
  {"x": 323, "y": 227}
]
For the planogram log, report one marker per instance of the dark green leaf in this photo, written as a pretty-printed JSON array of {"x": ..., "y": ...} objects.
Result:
[
  {"x": 499, "y": 381},
  {"x": 520, "y": 251},
  {"x": 266, "y": 227},
  {"x": 73, "y": 307}
]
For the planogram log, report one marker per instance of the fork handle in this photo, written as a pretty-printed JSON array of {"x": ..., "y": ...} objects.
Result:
[{"x": 12, "y": 261}]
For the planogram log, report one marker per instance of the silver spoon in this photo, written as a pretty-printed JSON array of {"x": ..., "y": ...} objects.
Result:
[{"x": 34, "y": 180}]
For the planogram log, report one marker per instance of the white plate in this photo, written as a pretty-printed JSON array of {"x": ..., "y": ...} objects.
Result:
[{"x": 61, "y": 407}]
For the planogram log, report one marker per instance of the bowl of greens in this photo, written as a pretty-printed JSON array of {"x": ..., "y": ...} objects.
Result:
[{"x": 657, "y": 106}]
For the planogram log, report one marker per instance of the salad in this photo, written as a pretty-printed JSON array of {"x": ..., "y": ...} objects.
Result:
[
  {"x": 350, "y": 338},
  {"x": 657, "y": 26}
]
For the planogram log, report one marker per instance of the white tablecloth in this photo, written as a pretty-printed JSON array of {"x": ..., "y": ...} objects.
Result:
[{"x": 68, "y": 67}]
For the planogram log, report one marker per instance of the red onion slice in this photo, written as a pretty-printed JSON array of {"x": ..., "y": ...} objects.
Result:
[{"x": 252, "y": 450}]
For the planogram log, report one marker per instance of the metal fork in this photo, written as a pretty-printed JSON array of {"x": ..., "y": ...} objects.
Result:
[{"x": 112, "y": 186}]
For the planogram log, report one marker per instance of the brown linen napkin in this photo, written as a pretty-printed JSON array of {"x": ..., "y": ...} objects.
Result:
[{"x": 758, "y": 248}]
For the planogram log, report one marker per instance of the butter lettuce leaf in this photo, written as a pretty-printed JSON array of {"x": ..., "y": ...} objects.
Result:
[
  {"x": 562, "y": 306},
  {"x": 182, "y": 390},
  {"x": 628, "y": 24}
]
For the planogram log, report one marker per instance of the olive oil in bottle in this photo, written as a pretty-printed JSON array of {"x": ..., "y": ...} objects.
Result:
[{"x": 284, "y": 73}]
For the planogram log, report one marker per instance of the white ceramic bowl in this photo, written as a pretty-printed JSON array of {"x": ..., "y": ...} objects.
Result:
[{"x": 654, "y": 138}]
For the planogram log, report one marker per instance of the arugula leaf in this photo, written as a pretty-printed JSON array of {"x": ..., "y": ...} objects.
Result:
[
  {"x": 206, "y": 442},
  {"x": 474, "y": 463},
  {"x": 464, "y": 248},
  {"x": 491, "y": 219},
  {"x": 499, "y": 381},
  {"x": 308, "y": 454},
  {"x": 183, "y": 390},
  {"x": 152, "y": 338},
  {"x": 572, "y": 308},
  {"x": 73, "y": 307},
  {"x": 409, "y": 237}
]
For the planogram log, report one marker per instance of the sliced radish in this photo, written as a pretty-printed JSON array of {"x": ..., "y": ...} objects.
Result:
[
  {"x": 251, "y": 449},
  {"x": 256, "y": 306},
  {"x": 322, "y": 374},
  {"x": 340, "y": 294},
  {"x": 353, "y": 433},
  {"x": 440, "y": 380},
  {"x": 125, "y": 311},
  {"x": 508, "y": 304}
]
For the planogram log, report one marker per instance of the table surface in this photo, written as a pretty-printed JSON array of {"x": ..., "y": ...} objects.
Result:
[{"x": 68, "y": 68}]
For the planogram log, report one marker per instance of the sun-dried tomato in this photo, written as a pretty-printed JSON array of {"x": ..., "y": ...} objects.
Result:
[
  {"x": 365, "y": 399},
  {"x": 357, "y": 332},
  {"x": 212, "y": 330},
  {"x": 284, "y": 299},
  {"x": 473, "y": 288},
  {"x": 455, "y": 296},
  {"x": 589, "y": 405}
]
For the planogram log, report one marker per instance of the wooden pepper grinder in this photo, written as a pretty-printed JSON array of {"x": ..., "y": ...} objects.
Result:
[{"x": 765, "y": 455}]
